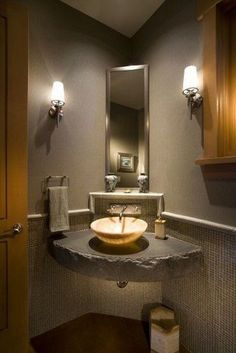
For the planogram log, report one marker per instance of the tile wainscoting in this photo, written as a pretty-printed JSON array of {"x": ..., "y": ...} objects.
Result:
[{"x": 205, "y": 304}]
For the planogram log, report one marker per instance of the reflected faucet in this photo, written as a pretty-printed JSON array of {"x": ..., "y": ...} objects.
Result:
[{"x": 122, "y": 212}]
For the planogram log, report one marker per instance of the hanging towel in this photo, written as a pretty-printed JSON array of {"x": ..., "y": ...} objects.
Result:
[{"x": 58, "y": 208}]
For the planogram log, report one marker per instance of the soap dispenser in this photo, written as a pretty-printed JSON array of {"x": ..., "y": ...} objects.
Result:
[{"x": 160, "y": 228}]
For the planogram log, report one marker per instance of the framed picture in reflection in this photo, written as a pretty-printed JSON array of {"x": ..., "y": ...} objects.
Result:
[{"x": 125, "y": 162}]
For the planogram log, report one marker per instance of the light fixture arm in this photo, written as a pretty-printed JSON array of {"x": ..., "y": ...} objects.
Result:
[
  {"x": 195, "y": 101},
  {"x": 57, "y": 101},
  {"x": 56, "y": 112},
  {"x": 191, "y": 89}
]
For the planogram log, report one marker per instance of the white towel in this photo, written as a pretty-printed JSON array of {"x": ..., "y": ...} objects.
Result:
[{"x": 58, "y": 208}]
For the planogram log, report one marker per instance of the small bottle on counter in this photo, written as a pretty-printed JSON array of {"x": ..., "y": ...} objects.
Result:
[{"x": 160, "y": 228}]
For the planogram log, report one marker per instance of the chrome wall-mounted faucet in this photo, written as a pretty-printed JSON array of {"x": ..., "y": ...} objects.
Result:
[
  {"x": 121, "y": 214},
  {"x": 132, "y": 210}
]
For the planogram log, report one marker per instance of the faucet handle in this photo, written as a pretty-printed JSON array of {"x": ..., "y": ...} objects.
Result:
[{"x": 112, "y": 209}]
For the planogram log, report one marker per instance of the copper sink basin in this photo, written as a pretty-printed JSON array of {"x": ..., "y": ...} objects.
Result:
[{"x": 114, "y": 231}]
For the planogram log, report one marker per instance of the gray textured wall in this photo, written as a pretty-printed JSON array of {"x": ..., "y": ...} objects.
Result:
[
  {"x": 69, "y": 46},
  {"x": 168, "y": 42}
]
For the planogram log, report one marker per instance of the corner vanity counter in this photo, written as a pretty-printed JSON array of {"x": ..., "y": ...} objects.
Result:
[{"x": 149, "y": 260}]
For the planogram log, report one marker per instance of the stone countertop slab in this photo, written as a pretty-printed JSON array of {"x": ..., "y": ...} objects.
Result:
[{"x": 161, "y": 260}]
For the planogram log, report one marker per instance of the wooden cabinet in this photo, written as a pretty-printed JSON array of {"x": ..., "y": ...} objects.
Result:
[
  {"x": 219, "y": 72},
  {"x": 204, "y": 6}
]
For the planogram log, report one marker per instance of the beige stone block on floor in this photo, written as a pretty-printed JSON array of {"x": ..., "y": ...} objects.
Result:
[{"x": 164, "y": 331}]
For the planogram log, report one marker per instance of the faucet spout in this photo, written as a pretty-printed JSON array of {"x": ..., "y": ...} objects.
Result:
[{"x": 122, "y": 212}]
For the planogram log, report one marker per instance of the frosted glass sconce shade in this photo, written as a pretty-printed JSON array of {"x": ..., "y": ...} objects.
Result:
[
  {"x": 57, "y": 100},
  {"x": 58, "y": 95},
  {"x": 191, "y": 88},
  {"x": 190, "y": 82}
]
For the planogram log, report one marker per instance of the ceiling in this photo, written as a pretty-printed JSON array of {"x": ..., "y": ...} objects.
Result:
[{"x": 124, "y": 16}]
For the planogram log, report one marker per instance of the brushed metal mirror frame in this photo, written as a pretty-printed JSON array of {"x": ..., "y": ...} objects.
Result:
[{"x": 145, "y": 69}]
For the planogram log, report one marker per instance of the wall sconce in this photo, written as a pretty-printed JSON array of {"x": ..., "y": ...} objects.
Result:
[
  {"x": 191, "y": 88},
  {"x": 57, "y": 100}
]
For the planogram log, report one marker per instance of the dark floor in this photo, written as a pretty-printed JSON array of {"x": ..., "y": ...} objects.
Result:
[{"x": 96, "y": 333}]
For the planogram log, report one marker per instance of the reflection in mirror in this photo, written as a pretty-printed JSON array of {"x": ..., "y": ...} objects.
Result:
[{"x": 127, "y": 124}]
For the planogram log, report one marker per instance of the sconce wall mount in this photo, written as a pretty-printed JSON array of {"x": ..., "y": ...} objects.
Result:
[
  {"x": 191, "y": 88},
  {"x": 58, "y": 101}
]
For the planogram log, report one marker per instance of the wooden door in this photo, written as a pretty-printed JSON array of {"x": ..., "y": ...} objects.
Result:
[{"x": 13, "y": 178}]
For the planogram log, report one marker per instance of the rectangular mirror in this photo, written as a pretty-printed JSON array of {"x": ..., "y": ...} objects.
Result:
[{"x": 127, "y": 124}]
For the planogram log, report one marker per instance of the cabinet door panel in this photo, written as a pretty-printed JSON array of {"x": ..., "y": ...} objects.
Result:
[
  {"x": 3, "y": 285},
  {"x": 2, "y": 118},
  {"x": 232, "y": 84},
  {"x": 203, "y": 6}
]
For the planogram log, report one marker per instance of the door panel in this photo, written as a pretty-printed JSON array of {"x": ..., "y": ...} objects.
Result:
[
  {"x": 13, "y": 177},
  {"x": 232, "y": 84},
  {"x": 3, "y": 285},
  {"x": 2, "y": 118}
]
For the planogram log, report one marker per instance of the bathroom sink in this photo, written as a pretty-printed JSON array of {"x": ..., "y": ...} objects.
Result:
[{"x": 114, "y": 231}]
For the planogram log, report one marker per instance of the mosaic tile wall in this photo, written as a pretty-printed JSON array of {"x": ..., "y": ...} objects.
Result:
[
  {"x": 58, "y": 295},
  {"x": 206, "y": 303}
]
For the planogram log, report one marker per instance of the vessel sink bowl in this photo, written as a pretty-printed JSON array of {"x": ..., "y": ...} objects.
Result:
[{"x": 114, "y": 231}]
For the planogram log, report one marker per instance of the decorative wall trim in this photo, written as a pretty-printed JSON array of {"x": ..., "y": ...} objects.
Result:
[
  {"x": 201, "y": 222},
  {"x": 170, "y": 215},
  {"x": 71, "y": 212}
]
